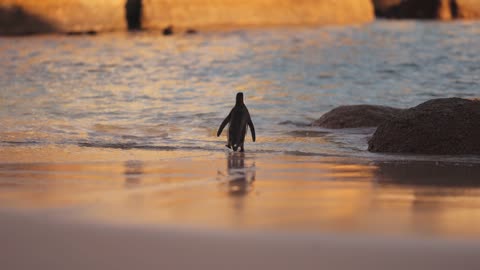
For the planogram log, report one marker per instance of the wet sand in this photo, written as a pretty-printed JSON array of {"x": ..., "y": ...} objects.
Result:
[
  {"x": 251, "y": 191},
  {"x": 89, "y": 208}
]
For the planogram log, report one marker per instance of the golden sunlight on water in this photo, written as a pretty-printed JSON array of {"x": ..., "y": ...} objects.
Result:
[{"x": 241, "y": 191}]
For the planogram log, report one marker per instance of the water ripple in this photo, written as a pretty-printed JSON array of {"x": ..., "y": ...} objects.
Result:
[{"x": 142, "y": 92}]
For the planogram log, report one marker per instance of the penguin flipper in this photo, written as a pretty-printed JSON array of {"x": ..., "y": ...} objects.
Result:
[
  {"x": 224, "y": 123},
  {"x": 252, "y": 128}
]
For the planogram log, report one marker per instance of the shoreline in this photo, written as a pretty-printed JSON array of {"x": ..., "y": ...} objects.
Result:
[
  {"x": 71, "y": 153},
  {"x": 247, "y": 191}
]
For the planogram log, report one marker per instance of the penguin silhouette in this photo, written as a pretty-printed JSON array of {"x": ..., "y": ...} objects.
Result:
[{"x": 238, "y": 119}]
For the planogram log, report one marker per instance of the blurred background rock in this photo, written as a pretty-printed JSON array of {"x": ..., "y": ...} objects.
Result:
[
  {"x": 88, "y": 16},
  {"x": 19, "y": 17},
  {"x": 428, "y": 9}
]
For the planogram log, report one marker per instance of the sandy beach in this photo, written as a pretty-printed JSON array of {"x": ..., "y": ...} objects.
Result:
[
  {"x": 245, "y": 191},
  {"x": 184, "y": 210},
  {"x": 38, "y": 240}
]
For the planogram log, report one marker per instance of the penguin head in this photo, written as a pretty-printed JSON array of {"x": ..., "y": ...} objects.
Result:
[{"x": 239, "y": 98}]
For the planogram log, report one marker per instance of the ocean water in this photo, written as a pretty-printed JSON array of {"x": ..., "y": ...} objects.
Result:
[
  {"x": 123, "y": 118},
  {"x": 148, "y": 91}
]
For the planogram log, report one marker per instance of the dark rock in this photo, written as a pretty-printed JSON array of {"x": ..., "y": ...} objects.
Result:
[
  {"x": 15, "y": 20},
  {"x": 427, "y": 9},
  {"x": 133, "y": 14},
  {"x": 355, "y": 116},
  {"x": 382, "y": 7},
  {"x": 168, "y": 31},
  {"x": 19, "y": 17},
  {"x": 409, "y": 9},
  {"x": 438, "y": 126},
  {"x": 90, "y": 33},
  {"x": 191, "y": 31},
  {"x": 71, "y": 33}
]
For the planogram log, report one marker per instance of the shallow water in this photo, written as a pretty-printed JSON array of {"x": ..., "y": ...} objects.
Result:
[
  {"x": 156, "y": 92},
  {"x": 151, "y": 104}
]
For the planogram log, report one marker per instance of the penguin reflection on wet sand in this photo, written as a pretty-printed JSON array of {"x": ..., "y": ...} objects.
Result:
[
  {"x": 238, "y": 119},
  {"x": 241, "y": 177}
]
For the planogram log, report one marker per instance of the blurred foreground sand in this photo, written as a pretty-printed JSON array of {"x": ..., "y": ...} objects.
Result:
[{"x": 37, "y": 241}]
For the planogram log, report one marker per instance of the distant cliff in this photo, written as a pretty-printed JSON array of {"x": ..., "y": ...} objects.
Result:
[
  {"x": 197, "y": 13},
  {"x": 78, "y": 16},
  {"x": 44, "y": 16}
]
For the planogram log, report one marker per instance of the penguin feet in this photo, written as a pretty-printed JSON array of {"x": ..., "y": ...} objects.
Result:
[{"x": 235, "y": 147}]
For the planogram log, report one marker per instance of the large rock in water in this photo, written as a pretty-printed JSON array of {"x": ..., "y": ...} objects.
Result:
[
  {"x": 428, "y": 9},
  {"x": 355, "y": 116},
  {"x": 159, "y": 14},
  {"x": 438, "y": 126},
  {"x": 18, "y": 17}
]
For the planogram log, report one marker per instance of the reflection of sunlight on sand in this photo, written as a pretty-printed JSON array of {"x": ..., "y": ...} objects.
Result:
[{"x": 235, "y": 190}]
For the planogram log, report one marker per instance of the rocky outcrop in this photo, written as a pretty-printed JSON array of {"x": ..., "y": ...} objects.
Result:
[
  {"x": 466, "y": 9},
  {"x": 355, "y": 116},
  {"x": 14, "y": 20},
  {"x": 428, "y": 9},
  {"x": 413, "y": 9},
  {"x": 18, "y": 17},
  {"x": 159, "y": 14},
  {"x": 133, "y": 9},
  {"x": 81, "y": 16},
  {"x": 439, "y": 126}
]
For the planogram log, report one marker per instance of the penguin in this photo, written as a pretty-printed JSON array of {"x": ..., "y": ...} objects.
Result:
[{"x": 238, "y": 119}]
